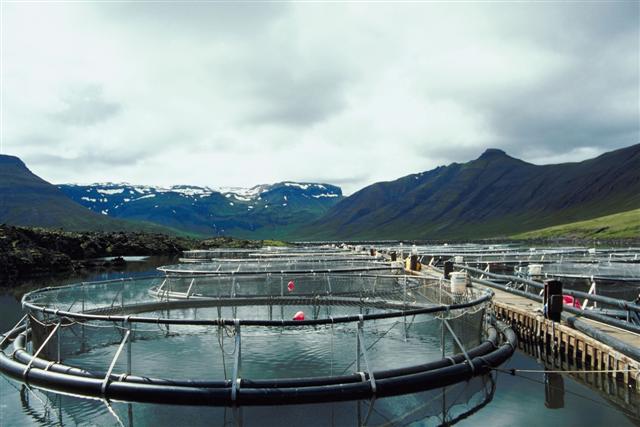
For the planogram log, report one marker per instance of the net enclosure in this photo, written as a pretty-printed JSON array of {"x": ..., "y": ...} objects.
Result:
[
  {"x": 277, "y": 265},
  {"x": 264, "y": 337}
]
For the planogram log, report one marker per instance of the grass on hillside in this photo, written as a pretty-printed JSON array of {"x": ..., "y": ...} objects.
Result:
[{"x": 624, "y": 225}]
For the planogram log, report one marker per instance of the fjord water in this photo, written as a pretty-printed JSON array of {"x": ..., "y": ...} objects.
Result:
[{"x": 498, "y": 400}]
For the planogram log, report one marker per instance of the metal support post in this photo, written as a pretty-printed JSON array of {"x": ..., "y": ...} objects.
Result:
[
  {"x": 35, "y": 355},
  {"x": 160, "y": 289},
  {"x": 363, "y": 346},
  {"x": 58, "y": 344},
  {"x": 358, "y": 347},
  {"x": 237, "y": 363},
  {"x": 129, "y": 343},
  {"x": 464, "y": 351},
  {"x": 190, "y": 286},
  {"x": 105, "y": 382},
  {"x": 442, "y": 336},
  {"x": 6, "y": 335}
]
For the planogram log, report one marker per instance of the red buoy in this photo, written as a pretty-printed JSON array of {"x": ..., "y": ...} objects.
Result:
[
  {"x": 299, "y": 316},
  {"x": 291, "y": 286},
  {"x": 569, "y": 300}
]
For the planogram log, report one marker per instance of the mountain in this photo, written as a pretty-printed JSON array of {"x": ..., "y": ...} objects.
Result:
[
  {"x": 263, "y": 211},
  {"x": 28, "y": 200},
  {"x": 494, "y": 195}
]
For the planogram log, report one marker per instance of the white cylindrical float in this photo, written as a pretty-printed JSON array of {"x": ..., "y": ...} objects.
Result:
[
  {"x": 535, "y": 270},
  {"x": 592, "y": 251},
  {"x": 458, "y": 259},
  {"x": 458, "y": 282}
]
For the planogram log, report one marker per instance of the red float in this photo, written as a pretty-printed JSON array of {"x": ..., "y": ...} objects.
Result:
[
  {"x": 569, "y": 300},
  {"x": 299, "y": 316},
  {"x": 291, "y": 286}
]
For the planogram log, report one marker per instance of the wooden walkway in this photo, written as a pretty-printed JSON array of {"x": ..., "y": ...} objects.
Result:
[{"x": 525, "y": 316}]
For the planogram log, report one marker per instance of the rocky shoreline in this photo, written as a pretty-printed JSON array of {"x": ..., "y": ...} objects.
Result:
[{"x": 31, "y": 252}]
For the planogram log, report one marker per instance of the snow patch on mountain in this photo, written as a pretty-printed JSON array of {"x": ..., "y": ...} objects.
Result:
[
  {"x": 318, "y": 196},
  {"x": 110, "y": 191}
]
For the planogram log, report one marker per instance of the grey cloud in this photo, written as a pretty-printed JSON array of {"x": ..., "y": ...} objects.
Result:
[
  {"x": 298, "y": 100},
  {"x": 588, "y": 107},
  {"x": 83, "y": 161},
  {"x": 567, "y": 26},
  {"x": 86, "y": 106},
  {"x": 234, "y": 19},
  {"x": 342, "y": 181},
  {"x": 201, "y": 80},
  {"x": 445, "y": 154},
  {"x": 592, "y": 101}
]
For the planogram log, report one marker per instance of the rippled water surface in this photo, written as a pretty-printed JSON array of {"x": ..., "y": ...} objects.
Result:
[{"x": 497, "y": 400}]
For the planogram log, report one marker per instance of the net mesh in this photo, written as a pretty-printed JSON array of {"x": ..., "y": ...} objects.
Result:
[
  {"x": 208, "y": 352},
  {"x": 275, "y": 265}
]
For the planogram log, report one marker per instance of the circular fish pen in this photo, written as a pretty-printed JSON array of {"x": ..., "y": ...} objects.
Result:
[
  {"x": 282, "y": 266},
  {"x": 199, "y": 255},
  {"x": 259, "y": 338}
]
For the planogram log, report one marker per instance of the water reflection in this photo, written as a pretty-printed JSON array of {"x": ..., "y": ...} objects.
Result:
[
  {"x": 135, "y": 266},
  {"x": 589, "y": 399},
  {"x": 614, "y": 391},
  {"x": 553, "y": 391},
  {"x": 446, "y": 406}
]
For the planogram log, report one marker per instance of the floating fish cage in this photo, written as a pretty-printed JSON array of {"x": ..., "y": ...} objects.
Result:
[
  {"x": 602, "y": 264},
  {"x": 430, "y": 407},
  {"x": 606, "y": 271},
  {"x": 276, "y": 338},
  {"x": 520, "y": 255},
  {"x": 301, "y": 265},
  {"x": 269, "y": 258},
  {"x": 270, "y": 251}
]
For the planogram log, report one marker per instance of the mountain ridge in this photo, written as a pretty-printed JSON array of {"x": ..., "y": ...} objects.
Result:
[
  {"x": 261, "y": 211},
  {"x": 28, "y": 200},
  {"x": 492, "y": 195}
]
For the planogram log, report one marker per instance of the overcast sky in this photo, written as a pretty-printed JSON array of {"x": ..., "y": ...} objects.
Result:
[{"x": 238, "y": 94}]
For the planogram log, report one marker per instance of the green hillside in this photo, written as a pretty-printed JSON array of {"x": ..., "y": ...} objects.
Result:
[{"x": 624, "y": 225}]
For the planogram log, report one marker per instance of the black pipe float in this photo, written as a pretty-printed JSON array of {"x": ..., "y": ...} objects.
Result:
[
  {"x": 623, "y": 304},
  {"x": 263, "y": 392},
  {"x": 22, "y": 356}
]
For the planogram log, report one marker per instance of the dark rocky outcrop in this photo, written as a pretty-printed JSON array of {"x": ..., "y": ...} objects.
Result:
[{"x": 29, "y": 252}]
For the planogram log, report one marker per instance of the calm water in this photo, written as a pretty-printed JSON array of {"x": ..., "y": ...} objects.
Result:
[{"x": 497, "y": 400}]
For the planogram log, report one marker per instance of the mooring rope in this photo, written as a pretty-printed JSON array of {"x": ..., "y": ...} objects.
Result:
[{"x": 514, "y": 371}]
